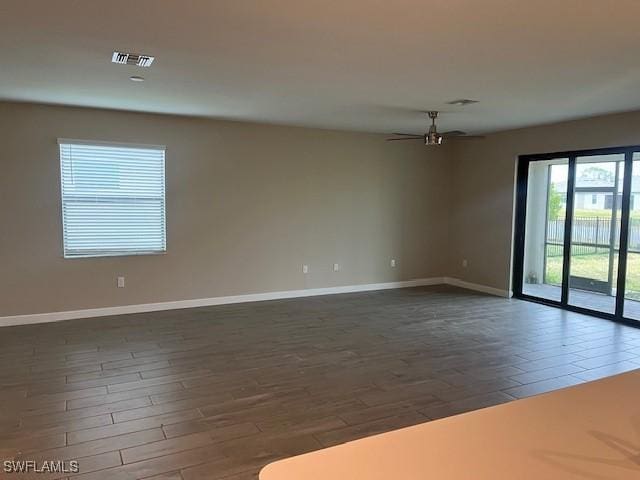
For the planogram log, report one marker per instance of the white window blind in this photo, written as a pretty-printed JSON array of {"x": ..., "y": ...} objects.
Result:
[{"x": 113, "y": 199}]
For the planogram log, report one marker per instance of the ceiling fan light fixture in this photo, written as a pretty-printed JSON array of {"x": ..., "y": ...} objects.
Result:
[{"x": 433, "y": 138}]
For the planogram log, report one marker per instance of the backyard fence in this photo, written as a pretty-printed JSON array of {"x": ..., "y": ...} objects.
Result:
[{"x": 590, "y": 235}]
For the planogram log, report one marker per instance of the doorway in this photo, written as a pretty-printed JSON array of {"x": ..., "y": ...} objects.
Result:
[{"x": 577, "y": 239}]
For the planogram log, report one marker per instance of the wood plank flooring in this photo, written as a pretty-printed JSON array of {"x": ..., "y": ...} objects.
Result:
[{"x": 218, "y": 392}]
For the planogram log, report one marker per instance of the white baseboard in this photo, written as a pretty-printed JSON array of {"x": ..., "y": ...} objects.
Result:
[
  {"x": 252, "y": 297},
  {"x": 205, "y": 302},
  {"x": 477, "y": 287}
]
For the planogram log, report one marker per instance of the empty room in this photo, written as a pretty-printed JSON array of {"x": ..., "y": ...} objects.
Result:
[{"x": 319, "y": 240}]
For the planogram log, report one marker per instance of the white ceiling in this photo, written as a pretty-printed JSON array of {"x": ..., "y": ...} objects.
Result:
[{"x": 369, "y": 65}]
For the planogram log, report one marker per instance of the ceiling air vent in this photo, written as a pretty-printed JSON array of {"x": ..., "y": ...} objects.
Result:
[{"x": 132, "y": 59}]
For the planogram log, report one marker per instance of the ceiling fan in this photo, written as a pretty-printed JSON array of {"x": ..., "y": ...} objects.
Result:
[{"x": 432, "y": 137}]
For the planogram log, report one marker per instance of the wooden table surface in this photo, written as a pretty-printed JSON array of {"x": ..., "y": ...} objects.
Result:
[{"x": 590, "y": 431}]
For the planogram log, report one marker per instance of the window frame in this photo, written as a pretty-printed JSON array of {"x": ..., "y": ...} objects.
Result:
[
  {"x": 520, "y": 202},
  {"x": 103, "y": 143}
]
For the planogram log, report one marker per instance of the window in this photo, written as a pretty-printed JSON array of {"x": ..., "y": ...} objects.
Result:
[
  {"x": 113, "y": 199},
  {"x": 594, "y": 199}
]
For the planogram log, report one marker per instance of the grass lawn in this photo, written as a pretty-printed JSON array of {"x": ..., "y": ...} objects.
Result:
[
  {"x": 600, "y": 213},
  {"x": 596, "y": 266}
]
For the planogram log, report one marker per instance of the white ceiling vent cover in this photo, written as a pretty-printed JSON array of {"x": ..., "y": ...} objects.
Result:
[{"x": 124, "y": 58}]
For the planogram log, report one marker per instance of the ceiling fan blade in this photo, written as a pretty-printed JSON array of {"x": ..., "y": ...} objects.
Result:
[
  {"x": 454, "y": 133},
  {"x": 407, "y": 134},
  {"x": 459, "y": 134},
  {"x": 467, "y": 137},
  {"x": 404, "y": 138}
]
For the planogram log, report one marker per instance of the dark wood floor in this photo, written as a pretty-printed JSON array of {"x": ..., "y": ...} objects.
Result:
[{"x": 219, "y": 392}]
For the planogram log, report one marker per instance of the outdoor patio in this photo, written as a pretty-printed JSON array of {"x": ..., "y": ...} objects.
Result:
[{"x": 584, "y": 299}]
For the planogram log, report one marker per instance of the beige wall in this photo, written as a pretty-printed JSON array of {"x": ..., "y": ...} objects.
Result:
[
  {"x": 483, "y": 173},
  {"x": 247, "y": 205}
]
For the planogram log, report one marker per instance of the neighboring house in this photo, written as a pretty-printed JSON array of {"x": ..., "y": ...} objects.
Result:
[
  {"x": 594, "y": 200},
  {"x": 598, "y": 201}
]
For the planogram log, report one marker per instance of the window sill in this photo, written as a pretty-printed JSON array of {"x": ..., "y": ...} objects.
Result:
[{"x": 114, "y": 254}]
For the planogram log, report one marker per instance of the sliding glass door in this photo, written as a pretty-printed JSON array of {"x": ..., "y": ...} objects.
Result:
[
  {"x": 545, "y": 222},
  {"x": 595, "y": 234},
  {"x": 631, "y": 307},
  {"x": 577, "y": 242}
]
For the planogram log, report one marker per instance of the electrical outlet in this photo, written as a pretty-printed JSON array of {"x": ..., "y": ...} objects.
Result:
[
  {"x": 465, "y": 264},
  {"x": 393, "y": 263},
  {"x": 120, "y": 282},
  {"x": 305, "y": 268},
  {"x": 336, "y": 267}
]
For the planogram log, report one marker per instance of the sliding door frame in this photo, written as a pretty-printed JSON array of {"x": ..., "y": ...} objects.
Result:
[{"x": 522, "y": 179}]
